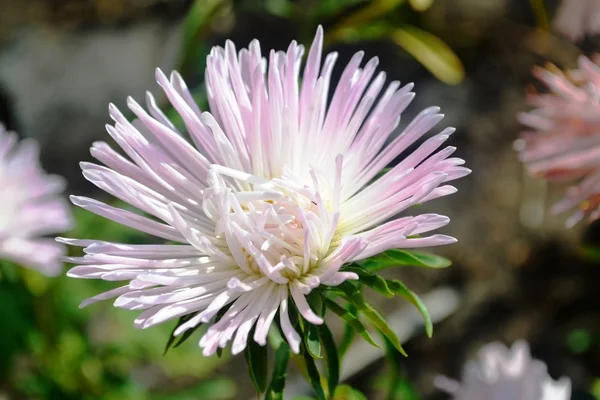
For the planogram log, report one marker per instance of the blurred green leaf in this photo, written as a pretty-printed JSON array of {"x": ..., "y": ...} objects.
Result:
[
  {"x": 369, "y": 12},
  {"x": 431, "y": 52},
  {"x": 420, "y": 5},
  {"x": 401, "y": 290},
  {"x": 258, "y": 365},
  {"x": 277, "y": 385},
  {"x": 541, "y": 16},
  {"x": 195, "y": 26},
  {"x": 345, "y": 392},
  {"x": 215, "y": 389},
  {"x": 580, "y": 340},
  {"x": 398, "y": 258}
]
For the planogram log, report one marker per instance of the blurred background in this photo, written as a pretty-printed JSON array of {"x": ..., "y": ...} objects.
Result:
[{"x": 517, "y": 273}]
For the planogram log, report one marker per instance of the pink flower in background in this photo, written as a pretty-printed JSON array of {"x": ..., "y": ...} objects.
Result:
[
  {"x": 578, "y": 18},
  {"x": 562, "y": 141},
  {"x": 278, "y": 191},
  {"x": 30, "y": 207},
  {"x": 500, "y": 373}
]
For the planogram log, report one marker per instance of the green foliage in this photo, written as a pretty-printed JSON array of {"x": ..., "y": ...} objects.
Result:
[
  {"x": 313, "y": 374},
  {"x": 580, "y": 341},
  {"x": 258, "y": 365},
  {"x": 400, "y": 258},
  {"x": 67, "y": 353},
  {"x": 333, "y": 361},
  {"x": 351, "y": 320},
  {"x": 345, "y": 392},
  {"x": 401, "y": 290},
  {"x": 277, "y": 385},
  {"x": 351, "y": 293},
  {"x": 431, "y": 52}
]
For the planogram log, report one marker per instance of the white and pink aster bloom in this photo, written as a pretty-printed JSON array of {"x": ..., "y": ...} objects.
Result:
[
  {"x": 277, "y": 192},
  {"x": 500, "y": 373},
  {"x": 31, "y": 206},
  {"x": 578, "y": 18},
  {"x": 562, "y": 141}
]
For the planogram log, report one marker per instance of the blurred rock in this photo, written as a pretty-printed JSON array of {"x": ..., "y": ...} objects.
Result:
[{"x": 60, "y": 83}]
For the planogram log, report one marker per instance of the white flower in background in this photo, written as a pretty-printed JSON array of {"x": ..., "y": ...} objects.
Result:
[
  {"x": 31, "y": 206},
  {"x": 578, "y": 18},
  {"x": 562, "y": 137},
  {"x": 500, "y": 373},
  {"x": 277, "y": 193}
]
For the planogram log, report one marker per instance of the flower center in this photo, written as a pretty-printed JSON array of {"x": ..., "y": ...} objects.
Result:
[{"x": 279, "y": 229}]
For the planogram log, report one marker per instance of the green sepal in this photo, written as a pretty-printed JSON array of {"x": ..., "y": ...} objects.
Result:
[{"x": 184, "y": 336}]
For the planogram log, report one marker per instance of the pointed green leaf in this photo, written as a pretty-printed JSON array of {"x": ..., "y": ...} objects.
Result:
[
  {"x": 351, "y": 321},
  {"x": 184, "y": 337},
  {"x": 313, "y": 375},
  {"x": 397, "y": 258},
  {"x": 347, "y": 339},
  {"x": 351, "y": 292},
  {"x": 401, "y": 290},
  {"x": 333, "y": 361},
  {"x": 256, "y": 358},
  {"x": 345, "y": 392},
  {"x": 375, "y": 282},
  {"x": 277, "y": 385},
  {"x": 315, "y": 301},
  {"x": 431, "y": 52},
  {"x": 312, "y": 340}
]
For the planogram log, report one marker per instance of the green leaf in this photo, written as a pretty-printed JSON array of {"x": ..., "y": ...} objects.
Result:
[
  {"x": 333, "y": 361},
  {"x": 313, "y": 375},
  {"x": 195, "y": 26},
  {"x": 420, "y": 5},
  {"x": 401, "y": 290},
  {"x": 256, "y": 358},
  {"x": 312, "y": 340},
  {"x": 397, "y": 258},
  {"x": 345, "y": 392},
  {"x": 375, "y": 282},
  {"x": 277, "y": 385},
  {"x": 431, "y": 52},
  {"x": 315, "y": 301},
  {"x": 351, "y": 292},
  {"x": 185, "y": 335},
  {"x": 351, "y": 321},
  {"x": 347, "y": 338}
]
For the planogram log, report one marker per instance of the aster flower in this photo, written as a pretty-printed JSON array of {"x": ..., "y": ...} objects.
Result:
[
  {"x": 562, "y": 141},
  {"x": 501, "y": 373},
  {"x": 30, "y": 207},
  {"x": 578, "y": 18},
  {"x": 278, "y": 191}
]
